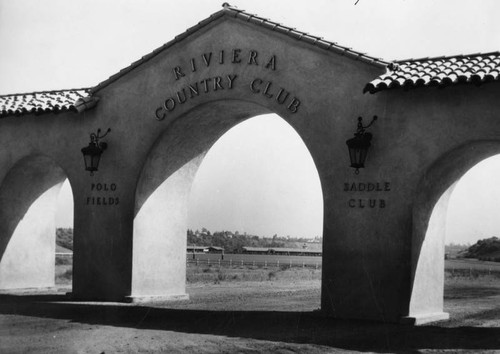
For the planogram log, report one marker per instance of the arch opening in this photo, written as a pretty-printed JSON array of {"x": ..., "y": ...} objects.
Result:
[
  {"x": 162, "y": 197},
  {"x": 256, "y": 215},
  {"x": 28, "y": 205},
  {"x": 64, "y": 237},
  {"x": 433, "y": 225}
]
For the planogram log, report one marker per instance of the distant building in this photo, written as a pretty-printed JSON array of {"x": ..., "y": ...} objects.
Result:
[
  {"x": 214, "y": 249},
  {"x": 256, "y": 250},
  {"x": 197, "y": 249},
  {"x": 281, "y": 251},
  {"x": 205, "y": 249}
]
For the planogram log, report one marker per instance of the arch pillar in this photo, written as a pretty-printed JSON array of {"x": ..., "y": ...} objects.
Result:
[
  {"x": 159, "y": 259},
  {"x": 162, "y": 195},
  {"x": 426, "y": 302},
  {"x": 102, "y": 258}
]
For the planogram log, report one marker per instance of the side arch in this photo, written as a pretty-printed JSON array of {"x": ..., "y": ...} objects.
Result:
[
  {"x": 28, "y": 200},
  {"x": 429, "y": 225}
]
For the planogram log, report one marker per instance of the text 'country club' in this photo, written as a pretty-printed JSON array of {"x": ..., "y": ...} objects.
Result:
[{"x": 226, "y": 82}]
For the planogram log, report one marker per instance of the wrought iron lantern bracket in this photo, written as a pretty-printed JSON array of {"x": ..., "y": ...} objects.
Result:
[
  {"x": 92, "y": 153},
  {"x": 359, "y": 145}
]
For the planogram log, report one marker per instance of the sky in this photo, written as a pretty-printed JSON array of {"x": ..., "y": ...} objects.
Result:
[{"x": 63, "y": 44}]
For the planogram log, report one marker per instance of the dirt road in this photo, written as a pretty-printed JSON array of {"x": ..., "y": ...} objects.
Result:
[{"x": 239, "y": 317}]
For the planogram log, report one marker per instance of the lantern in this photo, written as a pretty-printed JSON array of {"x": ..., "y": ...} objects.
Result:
[
  {"x": 359, "y": 145},
  {"x": 92, "y": 153}
]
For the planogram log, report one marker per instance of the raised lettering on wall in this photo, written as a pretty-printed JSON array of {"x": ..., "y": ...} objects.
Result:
[
  {"x": 235, "y": 57},
  {"x": 367, "y": 195},
  {"x": 102, "y": 194}
]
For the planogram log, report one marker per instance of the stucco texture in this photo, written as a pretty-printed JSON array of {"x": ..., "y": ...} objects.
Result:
[{"x": 376, "y": 263}]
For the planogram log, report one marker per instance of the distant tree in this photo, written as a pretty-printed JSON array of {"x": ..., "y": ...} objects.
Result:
[
  {"x": 192, "y": 239},
  {"x": 64, "y": 237},
  {"x": 487, "y": 249},
  {"x": 234, "y": 242}
]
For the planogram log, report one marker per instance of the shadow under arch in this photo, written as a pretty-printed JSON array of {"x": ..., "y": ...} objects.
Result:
[
  {"x": 28, "y": 202},
  {"x": 429, "y": 223},
  {"x": 162, "y": 194}
]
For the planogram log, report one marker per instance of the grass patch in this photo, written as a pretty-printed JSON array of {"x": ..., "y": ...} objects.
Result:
[
  {"x": 202, "y": 274},
  {"x": 471, "y": 274},
  {"x": 216, "y": 275}
]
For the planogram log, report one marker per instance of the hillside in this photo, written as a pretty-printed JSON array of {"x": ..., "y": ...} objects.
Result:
[{"x": 485, "y": 250}]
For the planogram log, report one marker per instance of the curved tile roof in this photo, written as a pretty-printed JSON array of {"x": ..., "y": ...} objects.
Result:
[
  {"x": 441, "y": 71},
  {"x": 42, "y": 102},
  {"x": 425, "y": 72}
]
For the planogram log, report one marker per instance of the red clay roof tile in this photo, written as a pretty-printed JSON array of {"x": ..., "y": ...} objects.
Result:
[
  {"x": 441, "y": 71},
  {"x": 41, "y": 102},
  {"x": 424, "y": 72}
]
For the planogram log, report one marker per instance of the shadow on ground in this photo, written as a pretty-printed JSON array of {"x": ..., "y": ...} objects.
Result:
[{"x": 290, "y": 327}]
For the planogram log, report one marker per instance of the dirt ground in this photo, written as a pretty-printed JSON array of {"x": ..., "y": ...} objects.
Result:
[{"x": 270, "y": 316}]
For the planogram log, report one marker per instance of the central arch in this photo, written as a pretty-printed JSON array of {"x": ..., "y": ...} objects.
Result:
[
  {"x": 258, "y": 178},
  {"x": 162, "y": 195}
]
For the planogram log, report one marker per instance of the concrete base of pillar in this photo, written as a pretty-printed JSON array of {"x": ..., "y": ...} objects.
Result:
[
  {"x": 156, "y": 298},
  {"x": 425, "y": 318}
]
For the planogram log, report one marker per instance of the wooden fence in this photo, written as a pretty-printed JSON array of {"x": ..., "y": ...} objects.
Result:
[{"x": 276, "y": 263}]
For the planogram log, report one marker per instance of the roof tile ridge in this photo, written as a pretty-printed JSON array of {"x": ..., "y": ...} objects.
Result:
[
  {"x": 87, "y": 89},
  {"x": 447, "y": 57},
  {"x": 228, "y": 7},
  {"x": 300, "y": 35},
  {"x": 234, "y": 12}
]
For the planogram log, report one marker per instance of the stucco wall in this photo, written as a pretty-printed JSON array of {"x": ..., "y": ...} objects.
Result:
[
  {"x": 329, "y": 88},
  {"x": 437, "y": 135},
  {"x": 130, "y": 217}
]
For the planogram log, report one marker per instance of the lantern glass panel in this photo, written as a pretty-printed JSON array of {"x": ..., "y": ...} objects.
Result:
[
  {"x": 88, "y": 161},
  {"x": 362, "y": 157},
  {"x": 358, "y": 150},
  {"x": 353, "y": 155},
  {"x": 359, "y": 146},
  {"x": 95, "y": 162},
  {"x": 91, "y": 156}
]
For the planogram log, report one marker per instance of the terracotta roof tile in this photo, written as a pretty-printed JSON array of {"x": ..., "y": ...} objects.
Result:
[
  {"x": 441, "y": 71},
  {"x": 43, "y": 102}
]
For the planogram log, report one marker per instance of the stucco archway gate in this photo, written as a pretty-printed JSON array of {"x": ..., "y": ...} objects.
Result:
[{"x": 382, "y": 255}]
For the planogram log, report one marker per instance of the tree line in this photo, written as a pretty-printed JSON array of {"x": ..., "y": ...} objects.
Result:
[
  {"x": 233, "y": 242},
  {"x": 485, "y": 250}
]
